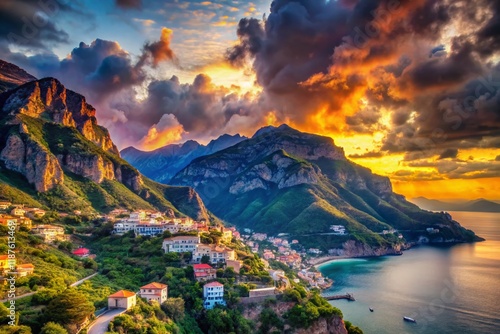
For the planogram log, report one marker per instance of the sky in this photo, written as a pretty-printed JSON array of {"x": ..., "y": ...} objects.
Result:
[{"x": 410, "y": 89}]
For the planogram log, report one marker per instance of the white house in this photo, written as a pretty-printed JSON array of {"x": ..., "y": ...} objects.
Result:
[
  {"x": 122, "y": 299},
  {"x": 181, "y": 244},
  {"x": 216, "y": 253},
  {"x": 338, "y": 229},
  {"x": 213, "y": 294},
  {"x": 154, "y": 291}
]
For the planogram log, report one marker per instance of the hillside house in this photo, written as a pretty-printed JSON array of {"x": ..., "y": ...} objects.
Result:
[
  {"x": 216, "y": 253},
  {"x": 26, "y": 269},
  {"x": 181, "y": 244},
  {"x": 81, "y": 252},
  {"x": 154, "y": 292},
  {"x": 35, "y": 213},
  {"x": 7, "y": 220},
  {"x": 235, "y": 264},
  {"x": 18, "y": 212},
  {"x": 122, "y": 299},
  {"x": 213, "y": 294},
  {"x": 204, "y": 272},
  {"x": 6, "y": 264},
  {"x": 5, "y": 205},
  {"x": 50, "y": 233}
]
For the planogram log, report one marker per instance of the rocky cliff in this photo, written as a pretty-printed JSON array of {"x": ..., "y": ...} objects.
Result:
[
  {"x": 50, "y": 142},
  {"x": 12, "y": 76},
  {"x": 50, "y": 100},
  {"x": 285, "y": 181}
]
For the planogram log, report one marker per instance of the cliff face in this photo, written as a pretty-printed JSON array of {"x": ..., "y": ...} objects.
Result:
[
  {"x": 49, "y": 135},
  {"x": 50, "y": 100},
  {"x": 32, "y": 160}
]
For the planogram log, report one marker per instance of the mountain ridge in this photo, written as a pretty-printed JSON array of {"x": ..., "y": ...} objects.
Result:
[
  {"x": 12, "y": 76},
  {"x": 284, "y": 181},
  {"x": 477, "y": 205},
  {"x": 163, "y": 163}
]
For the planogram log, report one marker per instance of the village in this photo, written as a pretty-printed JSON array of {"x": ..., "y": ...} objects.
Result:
[{"x": 180, "y": 235}]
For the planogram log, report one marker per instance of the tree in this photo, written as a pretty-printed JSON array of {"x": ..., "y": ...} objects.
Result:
[
  {"x": 53, "y": 328},
  {"x": 205, "y": 259},
  {"x": 174, "y": 308},
  {"x": 71, "y": 307}
]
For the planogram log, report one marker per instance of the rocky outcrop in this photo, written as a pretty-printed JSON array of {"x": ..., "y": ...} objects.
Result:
[
  {"x": 353, "y": 248},
  {"x": 328, "y": 325},
  {"x": 93, "y": 167},
  {"x": 50, "y": 100},
  {"x": 280, "y": 170},
  {"x": 332, "y": 325},
  {"x": 32, "y": 160}
]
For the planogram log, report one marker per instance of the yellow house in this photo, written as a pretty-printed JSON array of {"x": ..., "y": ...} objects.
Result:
[
  {"x": 25, "y": 269},
  {"x": 122, "y": 299},
  {"x": 6, "y": 264}
]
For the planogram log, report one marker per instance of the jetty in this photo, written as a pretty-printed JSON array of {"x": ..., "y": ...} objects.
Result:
[{"x": 348, "y": 296}]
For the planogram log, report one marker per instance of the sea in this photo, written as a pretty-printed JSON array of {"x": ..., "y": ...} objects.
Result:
[{"x": 447, "y": 290}]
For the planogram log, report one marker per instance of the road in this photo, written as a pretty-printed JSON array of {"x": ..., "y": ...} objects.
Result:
[
  {"x": 77, "y": 283},
  {"x": 100, "y": 326}
]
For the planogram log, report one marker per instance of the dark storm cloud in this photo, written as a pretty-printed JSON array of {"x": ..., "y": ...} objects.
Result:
[
  {"x": 450, "y": 153},
  {"x": 200, "y": 107},
  {"x": 318, "y": 58},
  {"x": 129, "y": 4},
  {"x": 31, "y": 23}
]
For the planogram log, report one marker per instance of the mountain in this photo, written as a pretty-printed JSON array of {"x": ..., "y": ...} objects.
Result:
[
  {"x": 54, "y": 154},
  {"x": 12, "y": 76},
  {"x": 163, "y": 163},
  {"x": 285, "y": 181},
  {"x": 478, "y": 205}
]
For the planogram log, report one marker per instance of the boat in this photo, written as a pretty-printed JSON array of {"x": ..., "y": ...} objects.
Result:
[
  {"x": 371, "y": 310},
  {"x": 409, "y": 319}
]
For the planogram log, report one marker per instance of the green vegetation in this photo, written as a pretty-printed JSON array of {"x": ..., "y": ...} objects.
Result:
[
  {"x": 147, "y": 318},
  {"x": 80, "y": 193},
  {"x": 309, "y": 308}
]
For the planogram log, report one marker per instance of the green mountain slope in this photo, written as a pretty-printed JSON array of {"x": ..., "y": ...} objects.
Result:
[
  {"x": 285, "y": 181},
  {"x": 53, "y": 154}
]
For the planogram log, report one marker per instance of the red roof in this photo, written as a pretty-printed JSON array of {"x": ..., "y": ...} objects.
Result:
[
  {"x": 202, "y": 274},
  {"x": 154, "y": 285},
  {"x": 213, "y": 284},
  {"x": 122, "y": 294},
  {"x": 202, "y": 266},
  {"x": 81, "y": 251}
]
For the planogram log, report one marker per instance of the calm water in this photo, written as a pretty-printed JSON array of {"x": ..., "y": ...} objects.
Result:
[{"x": 447, "y": 289}]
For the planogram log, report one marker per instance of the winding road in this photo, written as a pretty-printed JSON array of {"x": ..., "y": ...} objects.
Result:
[{"x": 100, "y": 326}]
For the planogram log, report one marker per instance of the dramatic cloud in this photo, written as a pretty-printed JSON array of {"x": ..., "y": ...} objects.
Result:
[
  {"x": 449, "y": 153},
  {"x": 160, "y": 50},
  {"x": 340, "y": 66},
  {"x": 30, "y": 23}
]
